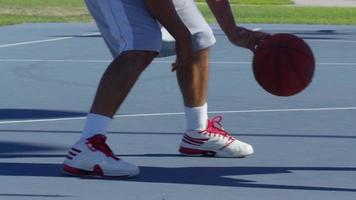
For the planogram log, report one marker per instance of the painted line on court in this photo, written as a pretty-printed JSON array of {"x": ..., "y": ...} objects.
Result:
[
  {"x": 181, "y": 113},
  {"x": 55, "y": 60},
  {"x": 335, "y": 41},
  {"x": 45, "y": 40},
  {"x": 156, "y": 61},
  {"x": 97, "y": 33}
]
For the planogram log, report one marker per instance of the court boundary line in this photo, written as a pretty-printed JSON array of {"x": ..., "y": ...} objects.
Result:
[
  {"x": 155, "y": 61},
  {"x": 98, "y": 33},
  {"x": 181, "y": 113},
  {"x": 45, "y": 40}
]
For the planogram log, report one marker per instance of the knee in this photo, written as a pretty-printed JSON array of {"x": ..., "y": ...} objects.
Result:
[
  {"x": 137, "y": 59},
  {"x": 203, "y": 39}
]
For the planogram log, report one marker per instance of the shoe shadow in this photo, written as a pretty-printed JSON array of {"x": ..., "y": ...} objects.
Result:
[
  {"x": 226, "y": 176},
  {"x": 43, "y": 155},
  {"x": 10, "y": 147},
  {"x": 12, "y": 113},
  {"x": 211, "y": 176}
]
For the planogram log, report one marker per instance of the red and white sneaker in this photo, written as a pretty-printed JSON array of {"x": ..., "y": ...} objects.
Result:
[
  {"x": 93, "y": 157},
  {"x": 214, "y": 141}
]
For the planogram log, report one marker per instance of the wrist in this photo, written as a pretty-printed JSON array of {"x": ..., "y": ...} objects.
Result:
[
  {"x": 182, "y": 35},
  {"x": 231, "y": 31},
  {"x": 239, "y": 33}
]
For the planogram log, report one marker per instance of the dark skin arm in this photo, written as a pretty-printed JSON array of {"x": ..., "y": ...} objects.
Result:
[
  {"x": 166, "y": 15},
  {"x": 237, "y": 35}
]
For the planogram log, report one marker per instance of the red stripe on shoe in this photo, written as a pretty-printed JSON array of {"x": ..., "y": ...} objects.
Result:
[
  {"x": 226, "y": 145},
  {"x": 71, "y": 153},
  {"x": 186, "y": 141},
  {"x": 97, "y": 171},
  {"x": 196, "y": 139},
  {"x": 189, "y": 151},
  {"x": 76, "y": 150},
  {"x": 196, "y": 152}
]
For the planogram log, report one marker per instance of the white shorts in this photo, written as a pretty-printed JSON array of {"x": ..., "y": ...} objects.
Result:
[{"x": 127, "y": 25}]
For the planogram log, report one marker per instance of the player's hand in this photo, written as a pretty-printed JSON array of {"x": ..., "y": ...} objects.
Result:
[
  {"x": 185, "y": 56},
  {"x": 246, "y": 38}
]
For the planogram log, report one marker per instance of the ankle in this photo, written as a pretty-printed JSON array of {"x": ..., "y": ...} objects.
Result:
[{"x": 197, "y": 117}]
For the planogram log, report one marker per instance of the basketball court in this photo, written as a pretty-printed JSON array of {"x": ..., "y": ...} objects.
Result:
[{"x": 304, "y": 144}]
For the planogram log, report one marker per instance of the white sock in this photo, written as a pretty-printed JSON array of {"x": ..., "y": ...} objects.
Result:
[
  {"x": 95, "y": 124},
  {"x": 197, "y": 117}
]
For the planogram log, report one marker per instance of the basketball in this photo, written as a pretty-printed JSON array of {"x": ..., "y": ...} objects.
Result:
[{"x": 283, "y": 64}]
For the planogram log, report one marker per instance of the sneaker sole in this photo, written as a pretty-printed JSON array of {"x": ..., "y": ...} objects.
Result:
[
  {"x": 196, "y": 152},
  {"x": 204, "y": 153},
  {"x": 97, "y": 172}
]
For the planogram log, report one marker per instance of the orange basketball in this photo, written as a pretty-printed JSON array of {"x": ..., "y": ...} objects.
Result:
[{"x": 283, "y": 64}]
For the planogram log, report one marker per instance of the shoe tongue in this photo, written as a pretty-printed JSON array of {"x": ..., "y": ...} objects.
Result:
[
  {"x": 214, "y": 124},
  {"x": 99, "y": 142},
  {"x": 98, "y": 138}
]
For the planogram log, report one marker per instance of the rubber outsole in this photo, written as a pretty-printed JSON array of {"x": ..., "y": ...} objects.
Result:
[
  {"x": 97, "y": 172},
  {"x": 203, "y": 153},
  {"x": 196, "y": 152}
]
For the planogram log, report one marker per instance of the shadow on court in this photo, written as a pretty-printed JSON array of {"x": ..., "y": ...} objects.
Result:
[
  {"x": 10, "y": 114},
  {"x": 21, "y": 147},
  {"x": 210, "y": 176},
  {"x": 41, "y": 155},
  {"x": 171, "y": 133},
  {"x": 32, "y": 195}
]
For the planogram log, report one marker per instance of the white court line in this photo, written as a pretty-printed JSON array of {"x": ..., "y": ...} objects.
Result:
[
  {"x": 96, "y": 33},
  {"x": 181, "y": 113},
  {"x": 42, "y": 41},
  {"x": 156, "y": 61},
  {"x": 318, "y": 29},
  {"x": 318, "y": 40},
  {"x": 336, "y": 41},
  {"x": 55, "y": 60}
]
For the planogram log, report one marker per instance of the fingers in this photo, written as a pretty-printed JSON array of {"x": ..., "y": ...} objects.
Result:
[
  {"x": 256, "y": 37},
  {"x": 181, "y": 63},
  {"x": 247, "y": 38},
  {"x": 184, "y": 55},
  {"x": 174, "y": 66}
]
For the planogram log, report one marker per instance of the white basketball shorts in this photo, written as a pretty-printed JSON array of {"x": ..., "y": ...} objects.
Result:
[{"x": 127, "y": 25}]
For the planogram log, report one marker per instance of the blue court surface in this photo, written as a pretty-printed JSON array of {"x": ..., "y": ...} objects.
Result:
[{"x": 305, "y": 145}]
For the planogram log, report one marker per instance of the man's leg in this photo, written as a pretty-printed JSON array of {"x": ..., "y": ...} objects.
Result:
[
  {"x": 114, "y": 86},
  {"x": 134, "y": 39},
  {"x": 193, "y": 82},
  {"x": 118, "y": 80},
  {"x": 91, "y": 155},
  {"x": 203, "y": 137}
]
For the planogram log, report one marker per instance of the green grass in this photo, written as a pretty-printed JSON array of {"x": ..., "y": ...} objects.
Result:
[
  {"x": 288, "y": 14},
  {"x": 25, "y": 11},
  {"x": 246, "y": 11},
  {"x": 258, "y": 2}
]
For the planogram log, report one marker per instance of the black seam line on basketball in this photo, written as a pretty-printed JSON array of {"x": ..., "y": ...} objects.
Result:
[
  {"x": 268, "y": 59},
  {"x": 294, "y": 38},
  {"x": 272, "y": 59},
  {"x": 294, "y": 69},
  {"x": 287, "y": 47},
  {"x": 266, "y": 62},
  {"x": 278, "y": 73},
  {"x": 259, "y": 71},
  {"x": 307, "y": 56}
]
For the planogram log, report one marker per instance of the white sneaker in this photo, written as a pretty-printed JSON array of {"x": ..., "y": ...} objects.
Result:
[
  {"x": 213, "y": 142},
  {"x": 93, "y": 157}
]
